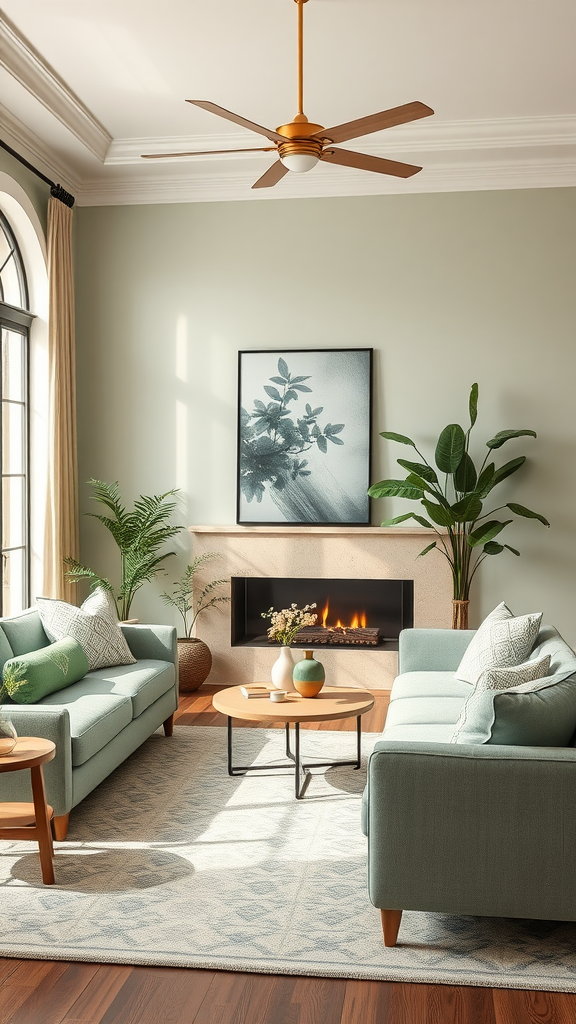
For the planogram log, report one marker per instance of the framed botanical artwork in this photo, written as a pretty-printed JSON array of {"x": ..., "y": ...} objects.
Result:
[{"x": 304, "y": 436}]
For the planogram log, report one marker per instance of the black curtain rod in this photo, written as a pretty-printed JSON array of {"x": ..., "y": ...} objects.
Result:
[{"x": 55, "y": 190}]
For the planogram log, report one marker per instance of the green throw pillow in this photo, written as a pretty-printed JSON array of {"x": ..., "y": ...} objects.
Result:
[
  {"x": 30, "y": 677},
  {"x": 537, "y": 714}
]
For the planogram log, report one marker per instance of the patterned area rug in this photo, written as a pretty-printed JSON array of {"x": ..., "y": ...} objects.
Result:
[{"x": 171, "y": 862}]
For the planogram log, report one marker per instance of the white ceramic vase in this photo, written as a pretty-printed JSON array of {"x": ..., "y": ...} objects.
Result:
[{"x": 282, "y": 669}]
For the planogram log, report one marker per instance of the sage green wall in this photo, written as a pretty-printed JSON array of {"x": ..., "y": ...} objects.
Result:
[{"x": 448, "y": 289}]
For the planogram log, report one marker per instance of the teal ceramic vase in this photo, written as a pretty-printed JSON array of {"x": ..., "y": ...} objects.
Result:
[{"x": 308, "y": 675}]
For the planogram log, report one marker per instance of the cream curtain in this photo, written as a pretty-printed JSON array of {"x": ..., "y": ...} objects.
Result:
[{"x": 61, "y": 537}]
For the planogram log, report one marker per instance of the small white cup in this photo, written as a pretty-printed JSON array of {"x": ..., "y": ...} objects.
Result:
[{"x": 278, "y": 695}]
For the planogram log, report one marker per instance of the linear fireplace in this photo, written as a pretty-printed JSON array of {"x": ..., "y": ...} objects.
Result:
[{"x": 352, "y": 613}]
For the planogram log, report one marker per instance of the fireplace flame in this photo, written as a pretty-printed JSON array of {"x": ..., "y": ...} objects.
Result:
[{"x": 358, "y": 620}]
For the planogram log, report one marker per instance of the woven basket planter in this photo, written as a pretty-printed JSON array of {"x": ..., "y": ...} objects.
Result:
[{"x": 194, "y": 663}]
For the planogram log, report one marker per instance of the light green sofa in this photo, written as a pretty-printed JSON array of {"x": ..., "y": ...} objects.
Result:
[
  {"x": 97, "y": 722},
  {"x": 486, "y": 830}
]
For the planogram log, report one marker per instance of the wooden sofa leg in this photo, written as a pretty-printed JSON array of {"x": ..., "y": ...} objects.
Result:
[
  {"x": 391, "y": 925},
  {"x": 169, "y": 726},
  {"x": 60, "y": 823}
]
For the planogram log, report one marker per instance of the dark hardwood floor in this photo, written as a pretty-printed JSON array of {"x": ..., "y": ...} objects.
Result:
[{"x": 46, "y": 992}]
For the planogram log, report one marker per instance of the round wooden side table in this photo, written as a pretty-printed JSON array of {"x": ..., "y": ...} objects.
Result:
[
  {"x": 24, "y": 820},
  {"x": 332, "y": 702}
]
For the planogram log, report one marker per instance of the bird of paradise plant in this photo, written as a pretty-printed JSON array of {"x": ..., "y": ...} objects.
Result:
[{"x": 454, "y": 506}]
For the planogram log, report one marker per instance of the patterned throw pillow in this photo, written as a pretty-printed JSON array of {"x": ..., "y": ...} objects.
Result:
[
  {"x": 94, "y": 626},
  {"x": 502, "y": 641},
  {"x": 477, "y": 716}
]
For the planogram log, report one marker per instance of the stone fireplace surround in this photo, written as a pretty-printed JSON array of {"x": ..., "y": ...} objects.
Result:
[{"x": 366, "y": 552}]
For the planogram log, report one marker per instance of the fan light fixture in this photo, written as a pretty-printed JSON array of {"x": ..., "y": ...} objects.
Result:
[
  {"x": 300, "y": 144},
  {"x": 299, "y": 162}
]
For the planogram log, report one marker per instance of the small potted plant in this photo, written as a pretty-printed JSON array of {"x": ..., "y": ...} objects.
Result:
[
  {"x": 194, "y": 657},
  {"x": 285, "y": 624}
]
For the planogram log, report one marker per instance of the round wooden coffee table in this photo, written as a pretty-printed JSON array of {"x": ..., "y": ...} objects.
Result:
[
  {"x": 30, "y": 821},
  {"x": 331, "y": 703}
]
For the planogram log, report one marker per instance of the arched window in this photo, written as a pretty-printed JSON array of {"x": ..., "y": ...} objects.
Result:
[{"x": 15, "y": 323}]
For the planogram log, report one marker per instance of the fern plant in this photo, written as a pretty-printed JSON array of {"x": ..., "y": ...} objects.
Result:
[
  {"x": 182, "y": 596},
  {"x": 139, "y": 534}
]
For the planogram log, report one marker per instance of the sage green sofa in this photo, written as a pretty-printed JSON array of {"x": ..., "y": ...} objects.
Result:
[
  {"x": 95, "y": 723},
  {"x": 487, "y": 829}
]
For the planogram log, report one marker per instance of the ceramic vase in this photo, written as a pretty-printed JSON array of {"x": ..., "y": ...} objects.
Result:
[
  {"x": 282, "y": 669},
  {"x": 309, "y": 676},
  {"x": 8, "y": 736}
]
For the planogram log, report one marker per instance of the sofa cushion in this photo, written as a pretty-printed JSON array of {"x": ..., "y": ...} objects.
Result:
[
  {"x": 428, "y": 684},
  {"x": 438, "y": 732},
  {"x": 24, "y": 633},
  {"x": 30, "y": 677},
  {"x": 143, "y": 682},
  {"x": 502, "y": 640},
  {"x": 424, "y": 711},
  {"x": 95, "y": 717},
  {"x": 94, "y": 625}
]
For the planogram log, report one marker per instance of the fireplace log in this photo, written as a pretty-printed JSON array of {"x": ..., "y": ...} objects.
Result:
[{"x": 353, "y": 636}]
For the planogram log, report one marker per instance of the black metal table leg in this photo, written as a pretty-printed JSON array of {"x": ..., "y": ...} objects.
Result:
[
  {"x": 230, "y": 769},
  {"x": 300, "y": 768}
]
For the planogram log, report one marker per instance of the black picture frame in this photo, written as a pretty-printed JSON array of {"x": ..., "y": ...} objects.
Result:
[{"x": 304, "y": 446}]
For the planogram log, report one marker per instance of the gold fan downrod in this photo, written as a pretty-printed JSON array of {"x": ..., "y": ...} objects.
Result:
[
  {"x": 300, "y": 130},
  {"x": 300, "y": 4}
]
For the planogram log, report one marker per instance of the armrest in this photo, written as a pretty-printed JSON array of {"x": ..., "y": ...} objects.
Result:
[
  {"x": 487, "y": 830},
  {"x": 432, "y": 650},
  {"x": 50, "y": 722},
  {"x": 158, "y": 642}
]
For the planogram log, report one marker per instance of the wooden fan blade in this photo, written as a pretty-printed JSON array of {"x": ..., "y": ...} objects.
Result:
[
  {"x": 208, "y": 152},
  {"x": 272, "y": 176},
  {"x": 213, "y": 108},
  {"x": 369, "y": 163},
  {"x": 375, "y": 122}
]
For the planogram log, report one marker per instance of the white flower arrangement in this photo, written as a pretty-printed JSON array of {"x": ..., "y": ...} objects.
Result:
[{"x": 286, "y": 623}]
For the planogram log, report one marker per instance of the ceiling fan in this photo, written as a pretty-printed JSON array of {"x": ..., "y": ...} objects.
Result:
[{"x": 300, "y": 144}]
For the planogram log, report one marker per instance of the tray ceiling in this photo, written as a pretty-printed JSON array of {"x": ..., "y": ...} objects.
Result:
[{"x": 86, "y": 88}]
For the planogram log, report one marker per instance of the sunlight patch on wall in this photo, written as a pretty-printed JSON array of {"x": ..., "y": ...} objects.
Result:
[{"x": 182, "y": 348}]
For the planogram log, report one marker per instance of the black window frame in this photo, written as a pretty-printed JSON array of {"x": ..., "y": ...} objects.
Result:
[{"x": 19, "y": 321}]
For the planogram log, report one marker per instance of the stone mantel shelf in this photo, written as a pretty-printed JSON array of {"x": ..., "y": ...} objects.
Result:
[
  {"x": 322, "y": 552},
  {"x": 388, "y": 531}
]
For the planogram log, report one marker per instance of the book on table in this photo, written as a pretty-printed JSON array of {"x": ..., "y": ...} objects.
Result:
[{"x": 254, "y": 691}]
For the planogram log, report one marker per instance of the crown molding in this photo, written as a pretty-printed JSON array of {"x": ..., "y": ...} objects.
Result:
[
  {"x": 234, "y": 187},
  {"x": 505, "y": 153},
  {"x": 438, "y": 136},
  {"x": 25, "y": 142},
  {"x": 27, "y": 66}
]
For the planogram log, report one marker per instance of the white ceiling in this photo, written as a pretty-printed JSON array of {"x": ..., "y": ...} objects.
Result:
[{"x": 87, "y": 86}]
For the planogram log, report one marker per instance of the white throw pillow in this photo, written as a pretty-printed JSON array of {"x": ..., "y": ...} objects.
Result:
[
  {"x": 497, "y": 679},
  {"x": 94, "y": 626},
  {"x": 502, "y": 641}
]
